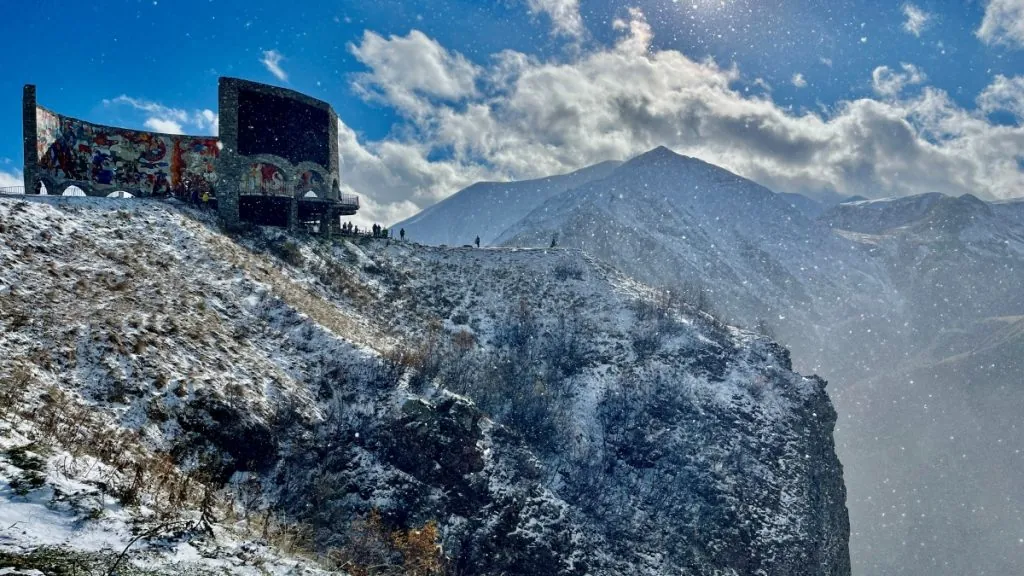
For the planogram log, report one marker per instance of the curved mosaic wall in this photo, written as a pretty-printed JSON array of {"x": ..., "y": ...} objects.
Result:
[{"x": 102, "y": 159}]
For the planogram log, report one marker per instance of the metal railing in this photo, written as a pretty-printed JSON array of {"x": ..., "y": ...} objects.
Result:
[
  {"x": 291, "y": 190},
  {"x": 344, "y": 199},
  {"x": 349, "y": 200}
]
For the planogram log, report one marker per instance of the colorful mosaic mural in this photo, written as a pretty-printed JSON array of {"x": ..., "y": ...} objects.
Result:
[
  {"x": 110, "y": 159},
  {"x": 312, "y": 181},
  {"x": 264, "y": 178}
]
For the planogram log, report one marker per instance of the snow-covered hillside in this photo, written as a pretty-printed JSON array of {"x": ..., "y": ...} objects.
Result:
[
  {"x": 486, "y": 209},
  {"x": 263, "y": 403},
  {"x": 896, "y": 301},
  {"x": 680, "y": 223}
]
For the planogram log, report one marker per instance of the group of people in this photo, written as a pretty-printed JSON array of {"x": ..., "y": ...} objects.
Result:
[
  {"x": 199, "y": 199},
  {"x": 376, "y": 231}
]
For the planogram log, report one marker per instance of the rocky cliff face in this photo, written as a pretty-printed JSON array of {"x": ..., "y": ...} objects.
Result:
[{"x": 531, "y": 411}]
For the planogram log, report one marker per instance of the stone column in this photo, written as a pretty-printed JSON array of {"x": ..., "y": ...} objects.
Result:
[
  {"x": 30, "y": 138},
  {"x": 334, "y": 156},
  {"x": 293, "y": 214},
  {"x": 228, "y": 161},
  {"x": 328, "y": 222}
]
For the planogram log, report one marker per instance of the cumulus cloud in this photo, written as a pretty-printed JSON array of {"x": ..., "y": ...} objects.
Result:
[
  {"x": 207, "y": 120},
  {"x": 887, "y": 82},
  {"x": 1004, "y": 95},
  {"x": 519, "y": 116},
  {"x": 163, "y": 125},
  {"x": 161, "y": 118},
  {"x": 799, "y": 81},
  {"x": 564, "y": 14},
  {"x": 272, "y": 62},
  {"x": 1003, "y": 23},
  {"x": 916, "y": 19},
  {"x": 413, "y": 72}
]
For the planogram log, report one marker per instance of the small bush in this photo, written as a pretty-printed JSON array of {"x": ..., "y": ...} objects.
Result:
[
  {"x": 13, "y": 387},
  {"x": 27, "y": 481},
  {"x": 646, "y": 340},
  {"x": 567, "y": 269},
  {"x": 374, "y": 550},
  {"x": 22, "y": 457},
  {"x": 288, "y": 251}
]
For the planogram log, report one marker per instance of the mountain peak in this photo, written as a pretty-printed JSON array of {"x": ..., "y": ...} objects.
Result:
[
  {"x": 663, "y": 157},
  {"x": 660, "y": 153}
]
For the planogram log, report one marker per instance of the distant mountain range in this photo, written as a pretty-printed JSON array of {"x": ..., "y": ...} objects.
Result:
[{"x": 912, "y": 307}]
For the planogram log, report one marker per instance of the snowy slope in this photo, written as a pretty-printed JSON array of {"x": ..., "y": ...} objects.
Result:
[
  {"x": 550, "y": 414},
  {"x": 864, "y": 293},
  {"x": 669, "y": 220},
  {"x": 485, "y": 209},
  {"x": 875, "y": 216}
]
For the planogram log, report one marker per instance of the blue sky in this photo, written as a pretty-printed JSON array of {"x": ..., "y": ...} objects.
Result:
[{"x": 434, "y": 94}]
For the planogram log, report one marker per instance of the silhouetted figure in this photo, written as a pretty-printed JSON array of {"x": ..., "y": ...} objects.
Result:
[
  {"x": 477, "y": 242},
  {"x": 402, "y": 233},
  {"x": 554, "y": 240}
]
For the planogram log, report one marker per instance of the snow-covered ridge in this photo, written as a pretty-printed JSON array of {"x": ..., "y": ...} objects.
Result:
[
  {"x": 892, "y": 300},
  {"x": 279, "y": 368},
  {"x": 485, "y": 209}
]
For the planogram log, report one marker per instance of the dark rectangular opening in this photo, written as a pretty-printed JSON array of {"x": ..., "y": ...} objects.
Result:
[
  {"x": 264, "y": 210},
  {"x": 295, "y": 131}
]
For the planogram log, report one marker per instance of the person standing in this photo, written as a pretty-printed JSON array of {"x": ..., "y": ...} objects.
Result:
[
  {"x": 477, "y": 242},
  {"x": 402, "y": 233}
]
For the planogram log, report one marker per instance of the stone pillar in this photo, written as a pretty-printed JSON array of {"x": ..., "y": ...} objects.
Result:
[
  {"x": 228, "y": 162},
  {"x": 293, "y": 214},
  {"x": 334, "y": 156},
  {"x": 328, "y": 222},
  {"x": 30, "y": 138}
]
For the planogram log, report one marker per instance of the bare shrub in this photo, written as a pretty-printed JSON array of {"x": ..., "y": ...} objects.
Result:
[
  {"x": 568, "y": 269},
  {"x": 566, "y": 350},
  {"x": 13, "y": 387},
  {"x": 646, "y": 341},
  {"x": 288, "y": 251},
  {"x": 375, "y": 550}
]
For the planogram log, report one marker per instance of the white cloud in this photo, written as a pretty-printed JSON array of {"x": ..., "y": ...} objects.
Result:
[
  {"x": 564, "y": 14},
  {"x": 412, "y": 72},
  {"x": 11, "y": 179},
  {"x": 207, "y": 120},
  {"x": 1004, "y": 94},
  {"x": 166, "y": 119},
  {"x": 916, "y": 19},
  {"x": 799, "y": 81},
  {"x": 887, "y": 82},
  {"x": 1003, "y": 23},
  {"x": 521, "y": 117},
  {"x": 272, "y": 61},
  {"x": 154, "y": 109},
  {"x": 163, "y": 125}
]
